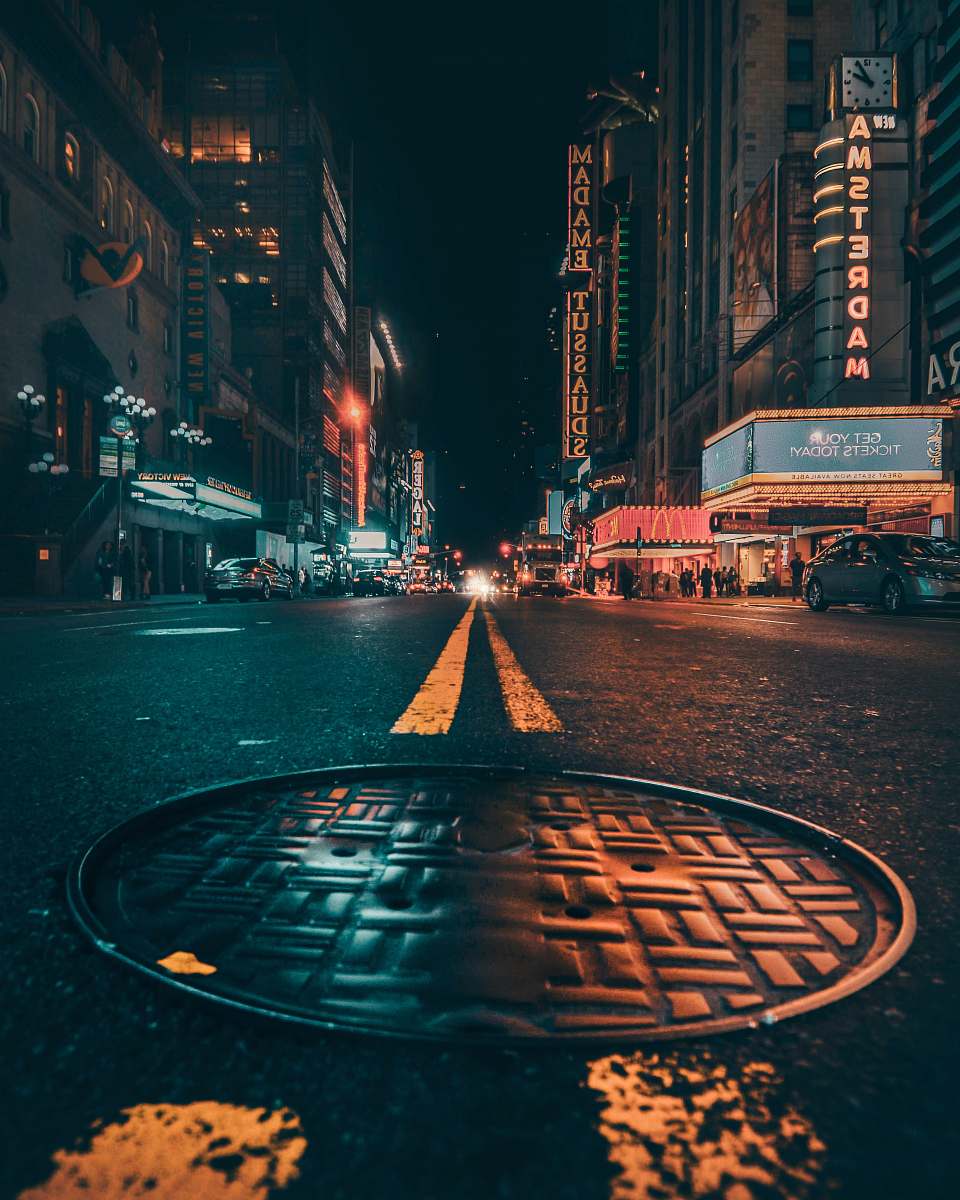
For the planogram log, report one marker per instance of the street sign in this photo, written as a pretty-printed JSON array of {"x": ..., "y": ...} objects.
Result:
[
  {"x": 294, "y": 533},
  {"x": 109, "y": 447},
  {"x": 294, "y": 511},
  {"x": 120, "y": 425}
]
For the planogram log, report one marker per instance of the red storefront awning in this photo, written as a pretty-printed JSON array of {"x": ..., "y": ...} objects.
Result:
[{"x": 662, "y": 529}]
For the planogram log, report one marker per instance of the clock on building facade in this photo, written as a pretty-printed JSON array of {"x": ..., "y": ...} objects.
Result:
[{"x": 868, "y": 82}]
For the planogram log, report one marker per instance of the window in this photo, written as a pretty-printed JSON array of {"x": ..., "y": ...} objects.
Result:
[
  {"x": 164, "y": 263},
  {"x": 734, "y": 83},
  {"x": 71, "y": 158},
  {"x": 734, "y": 20},
  {"x": 3, "y": 100},
  {"x": 799, "y": 8},
  {"x": 799, "y": 116},
  {"x": 799, "y": 59},
  {"x": 734, "y": 145},
  {"x": 167, "y": 338},
  {"x": 31, "y": 128},
  {"x": 147, "y": 246},
  {"x": 106, "y": 205},
  {"x": 4, "y": 208},
  {"x": 128, "y": 225},
  {"x": 133, "y": 310},
  {"x": 69, "y": 264}
]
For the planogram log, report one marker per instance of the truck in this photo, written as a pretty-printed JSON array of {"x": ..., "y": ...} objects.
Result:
[{"x": 542, "y": 572}]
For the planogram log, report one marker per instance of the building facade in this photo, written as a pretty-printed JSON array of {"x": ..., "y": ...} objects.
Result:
[
  {"x": 83, "y": 175},
  {"x": 260, "y": 156}
]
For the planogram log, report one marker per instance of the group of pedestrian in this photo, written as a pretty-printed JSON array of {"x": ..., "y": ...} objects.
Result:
[
  {"x": 108, "y": 565},
  {"x": 719, "y": 581}
]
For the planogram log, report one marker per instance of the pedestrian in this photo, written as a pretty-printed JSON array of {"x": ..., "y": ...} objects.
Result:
[
  {"x": 145, "y": 571},
  {"x": 626, "y": 582},
  {"x": 717, "y": 580},
  {"x": 103, "y": 568},
  {"x": 126, "y": 571},
  {"x": 706, "y": 581},
  {"x": 733, "y": 582},
  {"x": 796, "y": 578},
  {"x": 725, "y": 581}
]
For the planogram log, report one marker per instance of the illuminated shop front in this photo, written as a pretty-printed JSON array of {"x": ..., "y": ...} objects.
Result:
[
  {"x": 656, "y": 539},
  {"x": 781, "y": 480}
]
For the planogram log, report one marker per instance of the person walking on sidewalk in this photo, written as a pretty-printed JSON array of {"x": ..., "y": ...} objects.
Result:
[
  {"x": 796, "y": 578},
  {"x": 717, "y": 580},
  {"x": 706, "y": 582},
  {"x": 145, "y": 571},
  {"x": 103, "y": 567}
]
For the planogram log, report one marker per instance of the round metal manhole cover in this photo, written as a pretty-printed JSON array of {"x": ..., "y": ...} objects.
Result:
[{"x": 478, "y": 904}]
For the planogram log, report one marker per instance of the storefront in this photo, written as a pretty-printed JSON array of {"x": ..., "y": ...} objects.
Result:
[
  {"x": 657, "y": 542},
  {"x": 779, "y": 481},
  {"x": 185, "y": 523}
]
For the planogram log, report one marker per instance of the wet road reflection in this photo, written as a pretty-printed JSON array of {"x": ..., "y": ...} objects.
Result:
[
  {"x": 171, "y": 1151},
  {"x": 680, "y": 1124}
]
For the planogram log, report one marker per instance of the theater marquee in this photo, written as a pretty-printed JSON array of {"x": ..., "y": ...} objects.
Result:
[{"x": 577, "y": 383}]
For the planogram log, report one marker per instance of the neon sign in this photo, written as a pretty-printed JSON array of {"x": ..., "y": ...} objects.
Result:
[
  {"x": 577, "y": 369},
  {"x": 858, "y": 251},
  {"x": 417, "y": 501}
]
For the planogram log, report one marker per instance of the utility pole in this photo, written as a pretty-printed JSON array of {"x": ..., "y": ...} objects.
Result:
[{"x": 296, "y": 482}]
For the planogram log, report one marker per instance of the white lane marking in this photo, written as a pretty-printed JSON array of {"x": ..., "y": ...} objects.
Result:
[
  {"x": 184, "y": 632},
  {"x": 126, "y": 624},
  {"x": 757, "y": 620},
  {"x": 256, "y": 741}
]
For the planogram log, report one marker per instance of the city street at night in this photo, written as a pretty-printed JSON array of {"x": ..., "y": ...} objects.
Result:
[{"x": 845, "y": 719}]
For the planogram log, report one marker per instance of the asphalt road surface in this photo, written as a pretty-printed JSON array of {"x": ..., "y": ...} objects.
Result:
[{"x": 847, "y": 718}]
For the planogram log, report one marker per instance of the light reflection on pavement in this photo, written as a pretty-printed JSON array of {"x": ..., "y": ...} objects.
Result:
[
  {"x": 682, "y": 1125},
  {"x": 173, "y": 1151}
]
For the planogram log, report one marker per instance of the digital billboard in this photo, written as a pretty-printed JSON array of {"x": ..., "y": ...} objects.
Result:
[
  {"x": 755, "y": 263},
  {"x": 813, "y": 450},
  {"x": 728, "y": 461}
]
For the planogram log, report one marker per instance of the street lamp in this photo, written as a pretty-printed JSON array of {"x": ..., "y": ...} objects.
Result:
[
  {"x": 135, "y": 407},
  {"x": 191, "y": 435}
]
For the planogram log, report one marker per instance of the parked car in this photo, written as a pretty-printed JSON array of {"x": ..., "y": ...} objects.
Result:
[
  {"x": 247, "y": 579},
  {"x": 369, "y": 583},
  {"x": 445, "y": 585},
  {"x": 430, "y": 588},
  {"x": 416, "y": 587},
  {"x": 896, "y": 570}
]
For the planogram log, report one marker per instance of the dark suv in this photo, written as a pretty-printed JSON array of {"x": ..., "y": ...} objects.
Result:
[
  {"x": 247, "y": 578},
  {"x": 895, "y": 570},
  {"x": 369, "y": 583}
]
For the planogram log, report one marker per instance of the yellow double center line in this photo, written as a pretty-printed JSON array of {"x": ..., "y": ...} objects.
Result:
[{"x": 435, "y": 705}]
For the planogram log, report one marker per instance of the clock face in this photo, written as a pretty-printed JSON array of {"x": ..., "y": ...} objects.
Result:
[{"x": 868, "y": 82}]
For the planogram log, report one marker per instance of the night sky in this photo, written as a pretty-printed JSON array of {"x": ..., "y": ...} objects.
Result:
[{"x": 460, "y": 118}]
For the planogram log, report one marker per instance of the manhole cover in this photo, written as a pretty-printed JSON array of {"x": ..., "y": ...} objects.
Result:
[{"x": 474, "y": 904}]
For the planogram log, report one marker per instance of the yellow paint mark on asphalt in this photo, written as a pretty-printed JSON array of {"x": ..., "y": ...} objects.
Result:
[
  {"x": 185, "y": 962},
  {"x": 435, "y": 705},
  {"x": 526, "y": 707},
  {"x": 179, "y": 1151},
  {"x": 680, "y": 1124}
]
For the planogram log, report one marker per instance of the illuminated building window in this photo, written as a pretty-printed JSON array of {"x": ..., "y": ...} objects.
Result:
[
  {"x": 147, "y": 246},
  {"x": 223, "y": 138},
  {"x": 71, "y": 157},
  {"x": 127, "y": 232},
  {"x": 31, "y": 128},
  {"x": 60, "y": 425},
  {"x": 241, "y": 277},
  {"x": 106, "y": 205}
]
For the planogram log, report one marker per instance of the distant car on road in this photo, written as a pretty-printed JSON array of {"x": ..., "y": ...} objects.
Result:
[
  {"x": 247, "y": 579},
  {"x": 895, "y": 570},
  {"x": 416, "y": 587},
  {"x": 369, "y": 583}
]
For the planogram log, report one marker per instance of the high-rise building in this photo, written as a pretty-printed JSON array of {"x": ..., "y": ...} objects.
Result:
[
  {"x": 741, "y": 97},
  {"x": 261, "y": 157}
]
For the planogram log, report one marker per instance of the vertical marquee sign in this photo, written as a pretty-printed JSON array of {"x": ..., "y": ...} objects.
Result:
[
  {"x": 858, "y": 257},
  {"x": 196, "y": 327},
  {"x": 417, "y": 499},
  {"x": 577, "y": 382}
]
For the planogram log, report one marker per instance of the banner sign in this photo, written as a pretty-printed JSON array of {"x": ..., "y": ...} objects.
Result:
[
  {"x": 858, "y": 257},
  {"x": 615, "y": 478},
  {"x": 577, "y": 382},
  {"x": 109, "y": 446},
  {"x": 813, "y": 514},
  {"x": 195, "y": 328},
  {"x": 841, "y": 449}
]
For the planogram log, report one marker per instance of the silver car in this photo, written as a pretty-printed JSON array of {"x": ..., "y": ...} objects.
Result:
[{"x": 895, "y": 570}]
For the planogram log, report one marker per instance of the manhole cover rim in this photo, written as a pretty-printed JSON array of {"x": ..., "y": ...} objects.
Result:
[{"x": 812, "y": 834}]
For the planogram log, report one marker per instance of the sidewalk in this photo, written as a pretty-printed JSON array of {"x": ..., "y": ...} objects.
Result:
[
  {"x": 36, "y": 606},
  {"x": 728, "y": 601}
]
